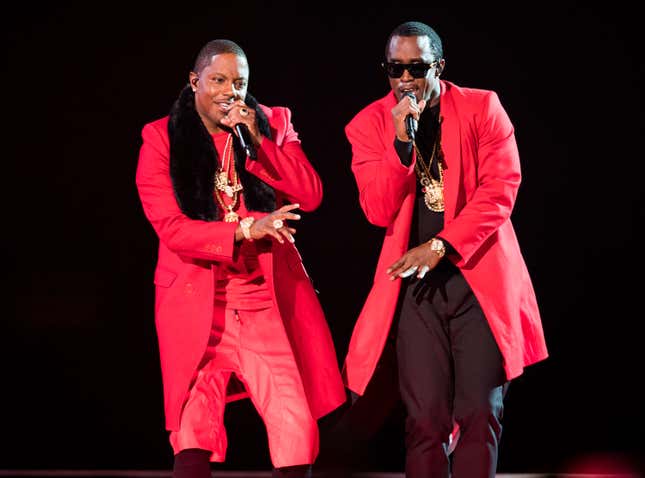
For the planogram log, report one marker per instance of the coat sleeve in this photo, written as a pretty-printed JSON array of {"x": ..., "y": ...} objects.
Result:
[
  {"x": 381, "y": 178},
  {"x": 498, "y": 180},
  {"x": 283, "y": 165},
  {"x": 187, "y": 237}
]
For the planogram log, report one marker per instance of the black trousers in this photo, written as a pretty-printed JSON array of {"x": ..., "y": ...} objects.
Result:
[{"x": 450, "y": 370}]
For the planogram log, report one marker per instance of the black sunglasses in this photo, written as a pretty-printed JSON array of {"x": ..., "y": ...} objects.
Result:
[{"x": 417, "y": 70}]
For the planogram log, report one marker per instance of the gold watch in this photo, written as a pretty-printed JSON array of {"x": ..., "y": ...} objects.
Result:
[
  {"x": 437, "y": 246},
  {"x": 245, "y": 225}
]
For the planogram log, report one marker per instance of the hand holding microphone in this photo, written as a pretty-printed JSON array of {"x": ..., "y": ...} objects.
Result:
[
  {"x": 244, "y": 135},
  {"x": 411, "y": 123},
  {"x": 238, "y": 118},
  {"x": 405, "y": 115}
]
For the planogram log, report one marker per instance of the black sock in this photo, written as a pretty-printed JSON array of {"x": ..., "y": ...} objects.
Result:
[{"x": 192, "y": 463}]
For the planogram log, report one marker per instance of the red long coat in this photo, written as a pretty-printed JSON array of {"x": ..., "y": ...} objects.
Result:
[
  {"x": 191, "y": 251},
  {"x": 482, "y": 178}
]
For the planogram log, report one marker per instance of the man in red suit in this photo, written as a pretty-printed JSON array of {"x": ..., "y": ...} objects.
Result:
[
  {"x": 437, "y": 165},
  {"x": 219, "y": 179}
]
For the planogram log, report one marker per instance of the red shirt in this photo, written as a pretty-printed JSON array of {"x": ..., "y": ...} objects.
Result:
[{"x": 241, "y": 285}]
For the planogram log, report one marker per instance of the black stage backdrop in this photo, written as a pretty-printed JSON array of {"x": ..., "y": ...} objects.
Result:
[{"x": 81, "y": 386}]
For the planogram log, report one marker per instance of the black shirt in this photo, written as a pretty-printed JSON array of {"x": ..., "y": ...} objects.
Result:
[{"x": 426, "y": 224}]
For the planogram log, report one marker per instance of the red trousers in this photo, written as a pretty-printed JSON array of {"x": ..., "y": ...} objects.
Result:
[{"x": 252, "y": 344}]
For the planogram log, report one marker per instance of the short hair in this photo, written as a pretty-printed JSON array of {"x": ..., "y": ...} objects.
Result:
[
  {"x": 417, "y": 29},
  {"x": 216, "y": 47}
]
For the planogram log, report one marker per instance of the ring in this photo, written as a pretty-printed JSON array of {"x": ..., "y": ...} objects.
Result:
[
  {"x": 244, "y": 112},
  {"x": 277, "y": 224}
]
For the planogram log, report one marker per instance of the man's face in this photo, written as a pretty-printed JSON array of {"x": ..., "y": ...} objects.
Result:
[
  {"x": 217, "y": 86},
  {"x": 421, "y": 78}
]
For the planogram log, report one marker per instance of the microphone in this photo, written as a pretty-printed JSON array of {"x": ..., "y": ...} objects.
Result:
[
  {"x": 244, "y": 136},
  {"x": 410, "y": 123}
]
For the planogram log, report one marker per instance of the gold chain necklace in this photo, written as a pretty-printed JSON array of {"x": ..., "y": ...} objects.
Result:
[
  {"x": 222, "y": 182},
  {"x": 432, "y": 189},
  {"x": 232, "y": 187}
]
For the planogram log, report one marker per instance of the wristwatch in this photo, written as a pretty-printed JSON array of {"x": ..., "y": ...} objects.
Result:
[
  {"x": 437, "y": 246},
  {"x": 245, "y": 225}
]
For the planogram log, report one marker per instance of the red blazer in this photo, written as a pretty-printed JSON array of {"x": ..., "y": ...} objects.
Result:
[
  {"x": 192, "y": 251},
  {"x": 482, "y": 177}
]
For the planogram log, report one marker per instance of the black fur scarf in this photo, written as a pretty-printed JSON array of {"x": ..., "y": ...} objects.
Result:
[{"x": 193, "y": 160}]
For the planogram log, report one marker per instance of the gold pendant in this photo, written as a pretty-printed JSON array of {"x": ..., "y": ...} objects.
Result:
[
  {"x": 221, "y": 180},
  {"x": 231, "y": 216},
  {"x": 228, "y": 190},
  {"x": 433, "y": 194}
]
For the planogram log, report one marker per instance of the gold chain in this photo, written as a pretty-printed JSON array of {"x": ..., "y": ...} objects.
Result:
[
  {"x": 222, "y": 182},
  {"x": 432, "y": 189},
  {"x": 223, "y": 185}
]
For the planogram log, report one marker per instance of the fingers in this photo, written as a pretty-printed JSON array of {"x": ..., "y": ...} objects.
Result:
[
  {"x": 414, "y": 108},
  {"x": 288, "y": 207},
  {"x": 275, "y": 233},
  {"x": 275, "y": 224},
  {"x": 288, "y": 215},
  {"x": 394, "y": 268},
  {"x": 288, "y": 232},
  {"x": 408, "y": 272},
  {"x": 417, "y": 260},
  {"x": 398, "y": 268},
  {"x": 423, "y": 271},
  {"x": 239, "y": 112},
  {"x": 402, "y": 269},
  {"x": 284, "y": 233},
  {"x": 284, "y": 214}
]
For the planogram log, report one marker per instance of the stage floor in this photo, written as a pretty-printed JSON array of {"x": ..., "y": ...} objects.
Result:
[{"x": 257, "y": 474}]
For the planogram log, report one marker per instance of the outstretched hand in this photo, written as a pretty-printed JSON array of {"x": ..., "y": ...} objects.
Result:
[{"x": 275, "y": 224}]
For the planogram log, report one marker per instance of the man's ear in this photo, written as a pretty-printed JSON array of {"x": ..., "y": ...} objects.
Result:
[
  {"x": 440, "y": 67},
  {"x": 193, "y": 79}
]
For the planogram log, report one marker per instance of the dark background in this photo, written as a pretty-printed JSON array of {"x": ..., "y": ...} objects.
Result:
[{"x": 81, "y": 386}]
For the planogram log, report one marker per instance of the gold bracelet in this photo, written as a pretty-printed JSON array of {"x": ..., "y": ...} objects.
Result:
[
  {"x": 437, "y": 246},
  {"x": 245, "y": 225}
]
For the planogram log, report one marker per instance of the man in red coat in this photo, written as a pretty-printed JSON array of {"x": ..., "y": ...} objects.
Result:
[
  {"x": 437, "y": 165},
  {"x": 219, "y": 178}
]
